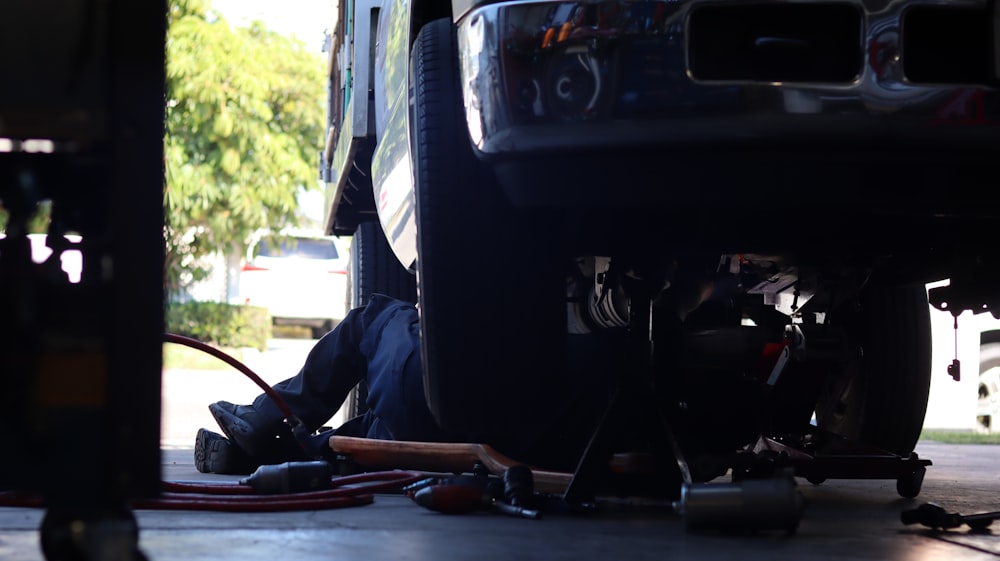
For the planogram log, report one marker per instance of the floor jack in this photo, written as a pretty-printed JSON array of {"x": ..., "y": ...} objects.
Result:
[{"x": 819, "y": 456}]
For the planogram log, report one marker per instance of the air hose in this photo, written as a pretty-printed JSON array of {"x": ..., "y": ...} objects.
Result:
[
  {"x": 290, "y": 417},
  {"x": 348, "y": 490},
  {"x": 298, "y": 430},
  {"x": 246, "y": 496}
]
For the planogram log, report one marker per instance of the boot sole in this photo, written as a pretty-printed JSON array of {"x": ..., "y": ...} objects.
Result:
[
  {"x": 214, "y": 453},
  {"x": 243, "y": 436}
]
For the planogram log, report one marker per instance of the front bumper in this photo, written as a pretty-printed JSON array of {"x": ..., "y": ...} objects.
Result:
[{"x": 539, "y": 77}]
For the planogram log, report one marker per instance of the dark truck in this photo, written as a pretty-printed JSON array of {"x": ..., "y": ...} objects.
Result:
[{"x": 753, "y": 194}]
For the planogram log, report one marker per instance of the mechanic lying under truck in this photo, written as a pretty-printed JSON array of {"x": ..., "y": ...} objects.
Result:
[
  {"x": 379, "y": 344},
  {"x": 606, "y": 418}
]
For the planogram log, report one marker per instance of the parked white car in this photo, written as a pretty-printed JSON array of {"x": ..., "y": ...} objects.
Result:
[
  {"x": 300, "y": 279},
  {"x": 988, "y": 404}
]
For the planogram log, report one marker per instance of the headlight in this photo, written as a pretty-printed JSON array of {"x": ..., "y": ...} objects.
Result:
[{"x": 528, "y": 63}]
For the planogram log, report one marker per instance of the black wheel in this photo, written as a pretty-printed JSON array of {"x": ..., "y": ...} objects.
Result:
[
  {"x": 490, "y": 291},
  {"x": 880, "y": 398},
  {"x": 374, "y": 269},
  {"x": 988, "y": 403},
  {"x": 908, "y": 485}
]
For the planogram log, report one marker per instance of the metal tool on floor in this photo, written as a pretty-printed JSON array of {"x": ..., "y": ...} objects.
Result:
[
  {"x": 747, "y": 506},
  {"x": 291, "y": 477},
  {"x": 513, "y": 494},
  {"x": 935, "y": 516}
]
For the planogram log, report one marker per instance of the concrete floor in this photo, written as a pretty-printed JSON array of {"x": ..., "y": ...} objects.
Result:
[{"x": 843, "y": 519}]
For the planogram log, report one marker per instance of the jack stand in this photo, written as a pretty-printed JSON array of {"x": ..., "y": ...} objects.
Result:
[
  {"x": 633, "y": 405},
  {"x": 820, "y": 455},
  {"x": 668, "y": 470}
]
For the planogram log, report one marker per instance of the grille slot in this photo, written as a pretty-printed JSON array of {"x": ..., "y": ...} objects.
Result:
[
  {"x": 818, "y": 43},
  {"x": 949, "y": 45}
]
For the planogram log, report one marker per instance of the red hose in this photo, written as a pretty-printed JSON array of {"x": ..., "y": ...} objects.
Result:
[
  {"x": 352, "y": 490},
  {"x": 196, "y": 344}
]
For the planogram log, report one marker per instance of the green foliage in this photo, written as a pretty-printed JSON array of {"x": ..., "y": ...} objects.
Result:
[
  {"x": 188, "y": 358},
  {"x": 219, "y": 324},
  {"x": 960, "y": 437},
  {"x": 244, "y": 123}
]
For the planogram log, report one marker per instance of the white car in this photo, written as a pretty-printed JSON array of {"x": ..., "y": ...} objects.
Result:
[
  {"x": 300, "y": 279},
  {"x": 988, "y": 405}
]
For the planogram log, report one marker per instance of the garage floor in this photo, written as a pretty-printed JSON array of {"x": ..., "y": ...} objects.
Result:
[{"x": 844, "y": 519}]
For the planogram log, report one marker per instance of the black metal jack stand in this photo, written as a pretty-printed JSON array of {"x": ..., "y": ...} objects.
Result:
[{"x": 632, "y": 408}]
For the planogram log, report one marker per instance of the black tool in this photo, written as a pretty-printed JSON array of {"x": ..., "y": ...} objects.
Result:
[
  {"x": 463, "y": 494},
  {"x": 291, "y": 477},
  {"x": 934, "y": 516},
  {"x": 751, "y": 505}
]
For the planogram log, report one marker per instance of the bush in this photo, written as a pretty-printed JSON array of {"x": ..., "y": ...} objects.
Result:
[{"x": 220, "y": 324}]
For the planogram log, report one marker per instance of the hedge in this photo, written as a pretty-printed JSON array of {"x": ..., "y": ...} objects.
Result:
[{"x": 220, "y": 324}]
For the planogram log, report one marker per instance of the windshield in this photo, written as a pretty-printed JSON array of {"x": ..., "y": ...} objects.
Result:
[{"x": 307, "y": 248}]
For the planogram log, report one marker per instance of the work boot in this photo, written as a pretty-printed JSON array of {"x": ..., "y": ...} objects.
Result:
[
  {"x": 214, "y": 453},
  {"x": 263, "y": 441}
]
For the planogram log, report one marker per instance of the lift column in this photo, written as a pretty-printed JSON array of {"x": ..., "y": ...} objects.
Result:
[{"x": 81, "y": 140}]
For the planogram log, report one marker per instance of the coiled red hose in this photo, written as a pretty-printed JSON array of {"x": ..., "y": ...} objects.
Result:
[{"x": 351, "y": 490}]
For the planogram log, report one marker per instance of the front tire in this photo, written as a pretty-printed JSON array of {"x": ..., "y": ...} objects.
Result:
[
  {"x": 490, "y": 293},
  {"x": 881, "y": 398}
]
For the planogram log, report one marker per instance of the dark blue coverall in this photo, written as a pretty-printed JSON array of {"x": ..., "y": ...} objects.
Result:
[{"x": 379, "y": 343}]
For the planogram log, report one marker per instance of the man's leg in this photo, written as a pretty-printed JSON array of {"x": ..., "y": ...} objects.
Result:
[
  {"x": 333, "y": 367},
  {"x": 395, "y": 382}
]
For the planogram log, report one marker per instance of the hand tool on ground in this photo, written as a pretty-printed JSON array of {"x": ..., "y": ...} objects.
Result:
[
  {"x": 935, "y": 516},
  {"x": 290, "y": 477},
  {"x": 463, "y": 494},
  {"x": 751, "y": 505}
]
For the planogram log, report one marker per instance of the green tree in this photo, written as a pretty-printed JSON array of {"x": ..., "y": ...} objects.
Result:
[{"x": 244, "y": 125}]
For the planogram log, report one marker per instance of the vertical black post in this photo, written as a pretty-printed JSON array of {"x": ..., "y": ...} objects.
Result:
[{"x": 81, "y": 360}]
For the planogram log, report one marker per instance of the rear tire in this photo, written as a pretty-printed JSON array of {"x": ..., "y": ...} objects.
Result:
[
  {"x": 491, "y": 294},
  {"x": 374, "y": 269},
  {"x": 881, "y": 398}
]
